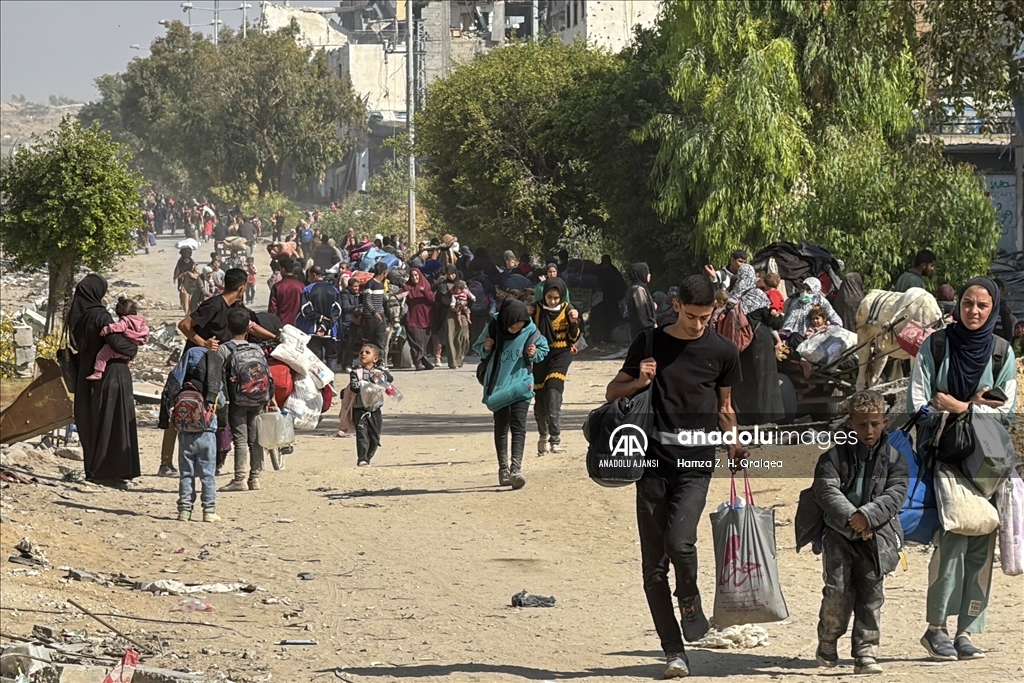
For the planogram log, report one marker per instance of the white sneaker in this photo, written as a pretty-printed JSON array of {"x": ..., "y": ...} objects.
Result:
[{"x": 557, "y": 448}]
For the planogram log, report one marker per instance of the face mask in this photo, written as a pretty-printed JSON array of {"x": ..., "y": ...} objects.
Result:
[
  {"x": 553, "y": 308},
  {"x": 806, "y": 298}
]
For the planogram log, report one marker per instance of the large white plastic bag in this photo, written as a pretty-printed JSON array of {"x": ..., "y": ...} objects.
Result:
[
  {"x": 747, "y": 589},
  {"x": 825, "y": 347},
  {"x": 305, "y": 404},
  {"x": 318, "y": 371},
  {"x": 293, "y": 352},
  {"x": 1010, "y": 503}
]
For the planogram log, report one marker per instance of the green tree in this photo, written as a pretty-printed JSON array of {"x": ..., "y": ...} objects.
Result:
[
  {"x": 788, "y": 110},
  {"x": 497, "y": 175},
  {"x": 69, "y": 201},
  {"x": 238, "y": 114}
]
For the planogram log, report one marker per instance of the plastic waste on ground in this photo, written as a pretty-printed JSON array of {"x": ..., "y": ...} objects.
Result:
[
  {"x": 740, "y": 636},
  {"x": 124, "y": 671},
  {"x": 195, "y": 605},
  {"x": 524, "y": 599},
  {"x": 275, "y": 429}
]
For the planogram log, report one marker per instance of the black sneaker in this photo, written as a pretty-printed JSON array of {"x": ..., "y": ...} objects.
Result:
[
  {"x": 826, "y": 655},
  {"x": 939, "y": 646},
  {"x": 965, "y": 649},
  {"x": 695, "y": 624},
  {"x": 167, "y": 471},
  {"x": 677, "y": 665}
]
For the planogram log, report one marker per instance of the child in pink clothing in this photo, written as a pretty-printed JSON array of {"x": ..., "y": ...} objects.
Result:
[{"x": 131, "y": 325}]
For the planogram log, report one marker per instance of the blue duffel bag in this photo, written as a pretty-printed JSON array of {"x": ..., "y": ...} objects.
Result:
[{"x": 919, "y": 515}]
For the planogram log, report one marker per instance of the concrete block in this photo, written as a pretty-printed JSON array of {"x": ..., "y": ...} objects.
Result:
[
  {"x": 34, "y": 319},
  {"x": 24, "y": 356},
  {"x": 23, "y": 335}
]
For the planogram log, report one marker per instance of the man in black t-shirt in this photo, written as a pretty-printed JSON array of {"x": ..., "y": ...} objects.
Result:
[
  {"x": 208, "y": 325},
  {"x": 691, "y": 371}
]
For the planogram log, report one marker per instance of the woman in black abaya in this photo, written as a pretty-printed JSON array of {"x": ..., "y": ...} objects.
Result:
[
  {"x": 757, "y": 398},
  {"x": 104, "y": 408}
]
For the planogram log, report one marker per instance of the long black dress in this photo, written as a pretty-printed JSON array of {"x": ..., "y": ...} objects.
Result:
[
  {"x": 105, "y": 408},
  {"x": 758, "y": 398}
]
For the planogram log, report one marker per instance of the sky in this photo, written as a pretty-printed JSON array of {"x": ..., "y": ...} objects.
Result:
[{"x": 59, "y": 48}]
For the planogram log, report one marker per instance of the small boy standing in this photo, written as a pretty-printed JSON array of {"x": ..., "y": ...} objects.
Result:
[
  {"x": 860, "y": 488},
  {"x": 250, "y": 389},
  {"x": 367, "y": 418},
  {"x": 193, "y": 417},
  {"x": 250, "y": 282}
]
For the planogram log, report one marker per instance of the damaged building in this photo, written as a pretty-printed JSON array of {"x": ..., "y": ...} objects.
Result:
[{"x": 365, "y": 41}]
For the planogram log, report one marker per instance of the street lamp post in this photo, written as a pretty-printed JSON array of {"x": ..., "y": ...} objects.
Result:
[{"x": 410, "y": 111}]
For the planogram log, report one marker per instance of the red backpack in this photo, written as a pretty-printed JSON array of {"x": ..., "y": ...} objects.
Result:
[
  {"x": 733, "y": 325},
  {"x": 189, "y": 414}
]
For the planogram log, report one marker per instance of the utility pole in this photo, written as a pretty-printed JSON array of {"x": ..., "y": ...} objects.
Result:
[
  {"x": 216, "y": 21},
  {"x": 410, "y": 111},
  {"x": 534, "y": 20}
]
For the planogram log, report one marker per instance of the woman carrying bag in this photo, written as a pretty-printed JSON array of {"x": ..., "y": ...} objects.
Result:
[{"x": 960, "y": 572}]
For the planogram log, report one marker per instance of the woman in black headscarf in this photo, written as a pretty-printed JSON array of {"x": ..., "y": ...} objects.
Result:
[
  {"x": 851, "y": 293},
  {"x": 559, "y": 323},
  {"x": 104, "y": 408},
  {"x": 606, "y": 316},
  {"x": 960, "y": 573},
  {"x": 639, "y": 302},
  {"x": 447, "y": 325}
]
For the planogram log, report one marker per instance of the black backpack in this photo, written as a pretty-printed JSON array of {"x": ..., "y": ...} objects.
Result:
[
  {"x": 481, "y": 367},
  {"x": 607, "y": 426}
]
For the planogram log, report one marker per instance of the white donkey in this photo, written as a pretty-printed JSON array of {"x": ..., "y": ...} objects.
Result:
[{"x": 875, "y": 317}]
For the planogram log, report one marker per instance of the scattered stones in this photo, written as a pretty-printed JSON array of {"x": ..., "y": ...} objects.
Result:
[{"x": 70, "y": 453}]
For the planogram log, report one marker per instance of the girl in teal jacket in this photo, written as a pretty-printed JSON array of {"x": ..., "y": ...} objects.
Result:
[{"x": 509, "y": 345}]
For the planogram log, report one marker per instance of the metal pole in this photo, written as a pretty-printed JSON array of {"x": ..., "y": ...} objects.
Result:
[
  {"x": 410, "y": 111},
  {"x": 216, "y": 21},
  {"x": 534, "y": 12},
  {"x": 243, "y": 18}
]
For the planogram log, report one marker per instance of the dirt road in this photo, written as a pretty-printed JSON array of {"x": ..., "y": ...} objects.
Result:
[{"x": 415, "y": 559}]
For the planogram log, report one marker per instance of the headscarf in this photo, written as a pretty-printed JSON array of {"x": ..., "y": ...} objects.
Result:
[
  {"x": 509, "y": 255},
  {"x": 467, "y": 253},
  {"x": 796, "y": 321},
  {"x": 638, "y": 274},
  {"x": 746, "y": 291},
  {"x": 512, "y": 311},
  {"x": 421, "y": 289},
  {"x": 971, "y": 350},
  {"x": 546, "y": 317},
  {"x": 660, "y": 298},
  {"x": 851, "y": 294},
  {"x": 88, "y": 295},
  {"x": 450, "y": 269}
]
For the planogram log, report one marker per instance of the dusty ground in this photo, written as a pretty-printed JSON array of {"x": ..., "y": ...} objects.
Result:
[{"x": 416, "y": 558}]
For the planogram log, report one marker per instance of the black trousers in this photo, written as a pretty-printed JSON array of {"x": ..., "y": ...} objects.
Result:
[
  {"x": 326, "y": 349},
  {"x": 511, "y": 418},
  {"x": 368, "y": 425},
  {"x": 668, "y": 510},
  {"x": 375, "y": 332}
]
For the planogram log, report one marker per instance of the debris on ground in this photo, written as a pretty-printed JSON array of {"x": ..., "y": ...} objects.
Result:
[
  {"x": 524, "y": 599},
  {"x": 172, "y": 587},
  {"x": 744, "y": 636},
  {"x": 30, "y": 550}
]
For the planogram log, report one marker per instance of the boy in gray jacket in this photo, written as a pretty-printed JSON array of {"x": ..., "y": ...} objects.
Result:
[{"x": 860, "y": 487}]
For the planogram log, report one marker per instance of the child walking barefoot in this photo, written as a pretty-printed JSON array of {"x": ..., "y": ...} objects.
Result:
[
  {"x": 367, "y": 418},
  {"x": 131, "y": 325},
  {"x": 509, "y": 345}
]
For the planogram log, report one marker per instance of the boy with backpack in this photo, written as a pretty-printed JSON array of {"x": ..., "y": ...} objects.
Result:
[
  {"x": 250, "y": 390},
  {"x": 195, "y": 384},
  {"x": 860, "y": 487}
]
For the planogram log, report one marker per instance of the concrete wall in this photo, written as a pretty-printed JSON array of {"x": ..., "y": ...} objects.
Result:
[
  {"x": 315, "y": 29},
  {"x": 376, "y": 76},
  {"x": 610, "y": 23}
]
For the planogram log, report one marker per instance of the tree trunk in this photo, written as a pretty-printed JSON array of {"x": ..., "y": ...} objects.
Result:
[{"x": 62, "y": 273}]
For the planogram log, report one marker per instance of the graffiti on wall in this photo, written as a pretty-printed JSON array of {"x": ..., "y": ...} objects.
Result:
[{"x": 1003, "y": 192}]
